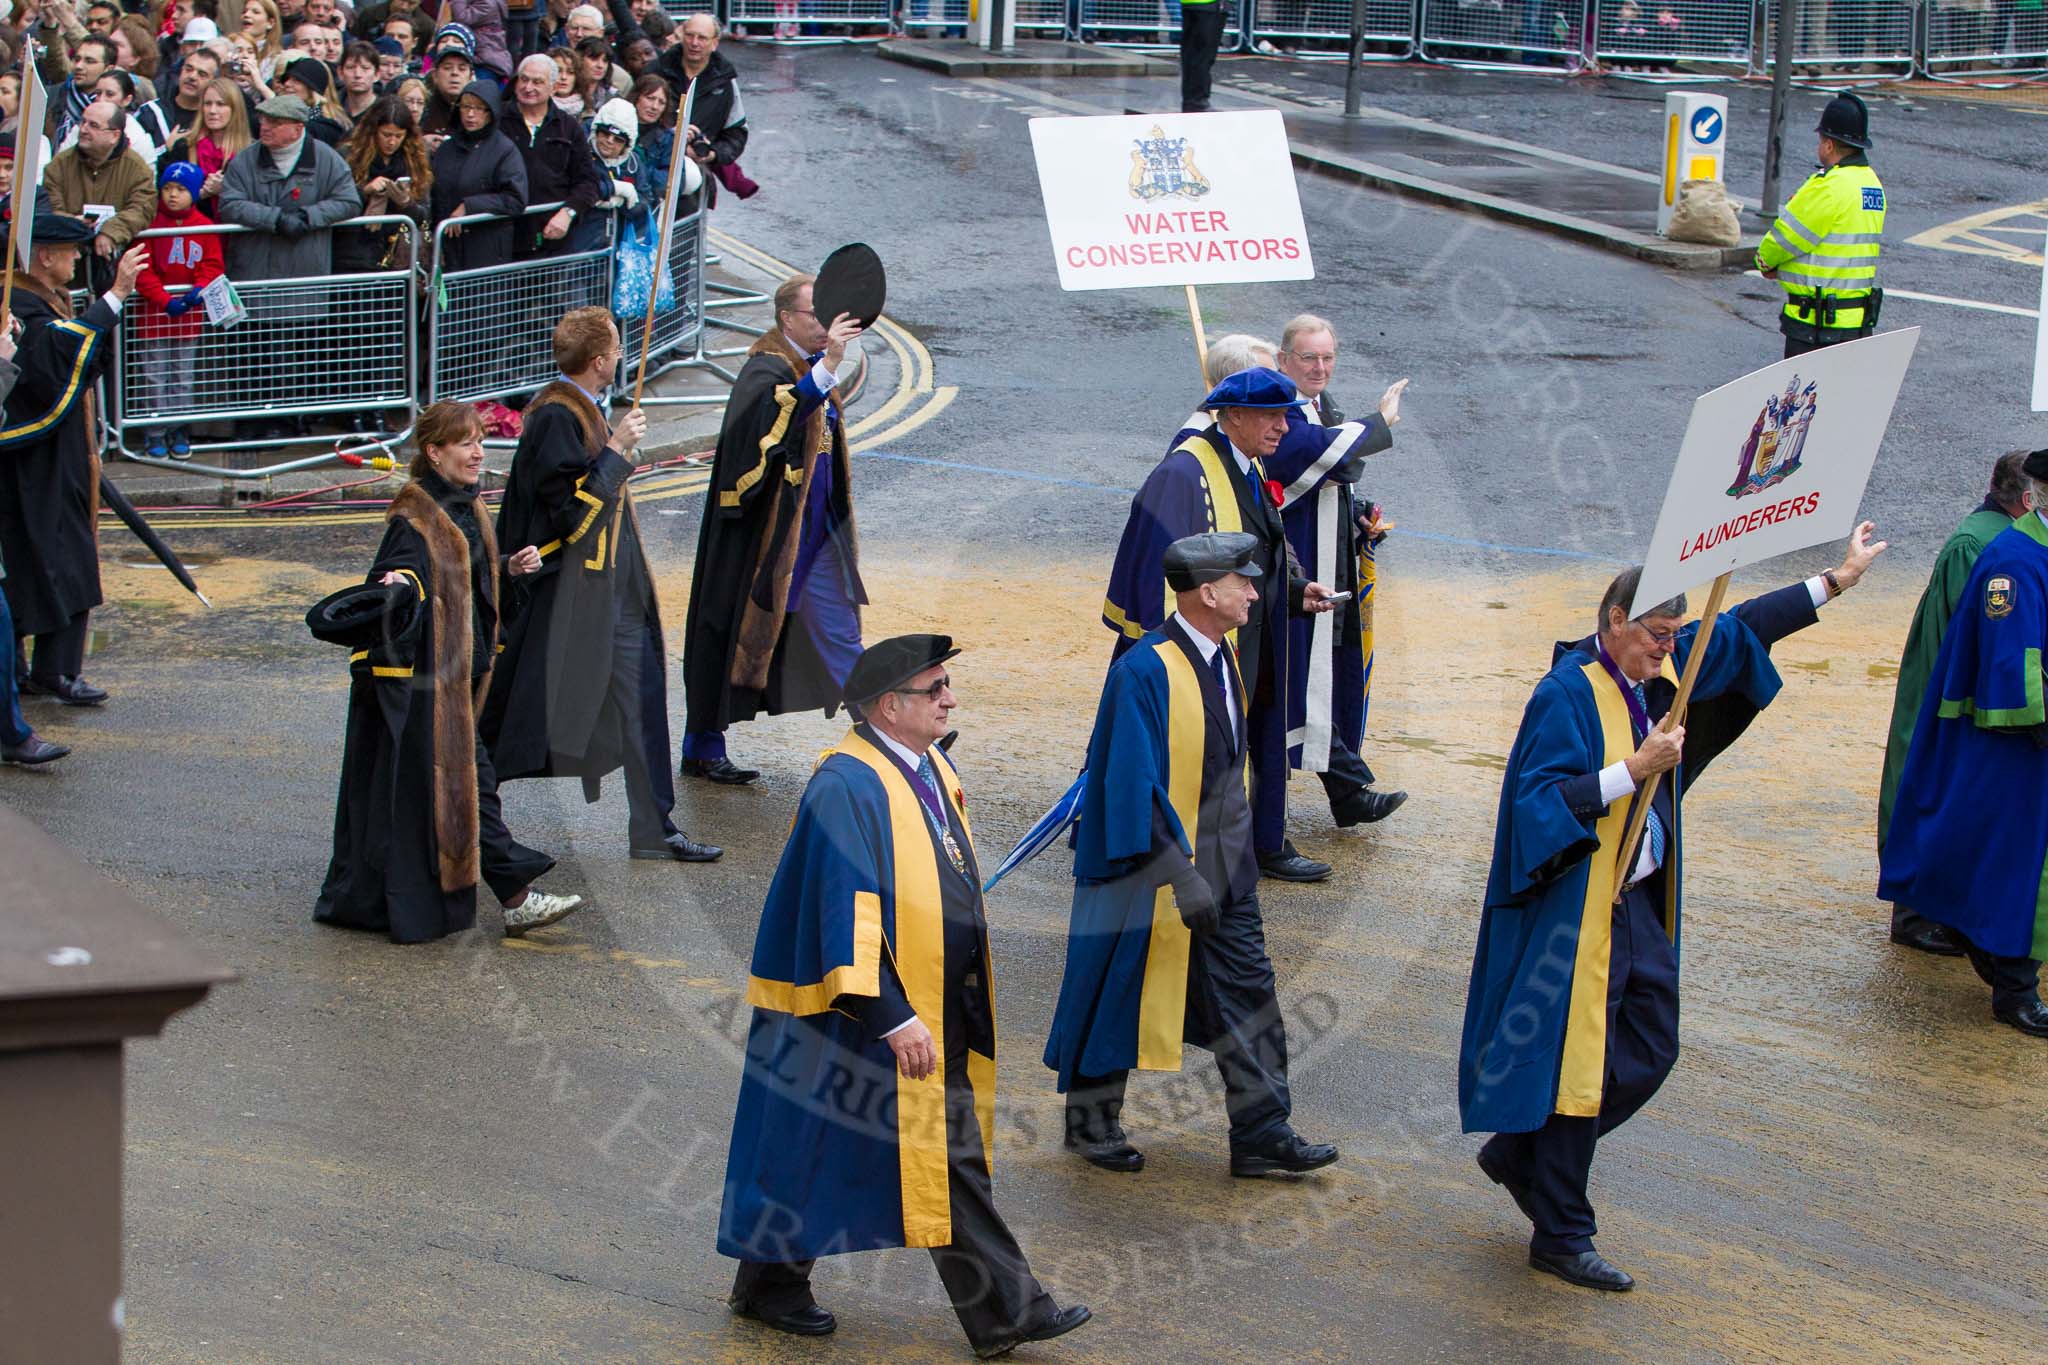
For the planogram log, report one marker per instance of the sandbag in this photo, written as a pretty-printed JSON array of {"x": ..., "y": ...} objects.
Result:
[{"x": 1704, "y": 214}]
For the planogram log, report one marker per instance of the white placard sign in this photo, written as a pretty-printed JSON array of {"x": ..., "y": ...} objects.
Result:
[
  {"x": 1170, "y": 199},
  {"x": 1775, "y": 462},
  {"x": 30, "y": 150},
  {"x": 2041, "y": 344}
]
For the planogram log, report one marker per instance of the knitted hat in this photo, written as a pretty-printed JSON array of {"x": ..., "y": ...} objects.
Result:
[
  {"x": 619, "y": 117},
  {"x": 182, "y": 173}
]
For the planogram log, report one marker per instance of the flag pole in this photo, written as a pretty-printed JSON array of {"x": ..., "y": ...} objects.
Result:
[
  {"x": 677, "y": 161},
  {"x": 1201, "y": 340},
  {"x": 1672, "y": 719}
]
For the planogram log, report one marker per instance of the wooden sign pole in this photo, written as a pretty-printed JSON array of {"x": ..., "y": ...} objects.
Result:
[
  {"x": 1201, "y": 339},
  {"x": 1672, "y": 719},
  {"x": 14, "y": 218}
]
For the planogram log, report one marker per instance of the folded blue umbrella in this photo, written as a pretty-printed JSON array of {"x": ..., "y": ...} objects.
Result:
[{"x": 1050, "y": 826}]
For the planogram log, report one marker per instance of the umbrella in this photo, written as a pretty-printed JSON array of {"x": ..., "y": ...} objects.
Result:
[
  {"x": 125, "y": 510},
  {"x": 1050, "y": 826}
]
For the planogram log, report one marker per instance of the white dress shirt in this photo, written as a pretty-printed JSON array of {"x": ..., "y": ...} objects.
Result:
[
  {"x": 1207, "y": 648},
  {"x": 1616, "y": 783},
  {"x": 824, "y": 379}
]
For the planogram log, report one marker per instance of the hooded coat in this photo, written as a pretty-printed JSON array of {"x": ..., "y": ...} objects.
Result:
[{"x": 483, "y": 172}]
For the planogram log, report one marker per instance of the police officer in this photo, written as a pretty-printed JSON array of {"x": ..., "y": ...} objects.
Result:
[{"x": 1823, "y": 248}]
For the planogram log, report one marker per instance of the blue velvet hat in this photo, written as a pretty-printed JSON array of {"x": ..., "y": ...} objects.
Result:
[{"x": 1258, "y": 387}]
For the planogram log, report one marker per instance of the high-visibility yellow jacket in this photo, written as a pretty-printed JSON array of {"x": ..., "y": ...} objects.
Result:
[{"x": 1826, "y": 241}]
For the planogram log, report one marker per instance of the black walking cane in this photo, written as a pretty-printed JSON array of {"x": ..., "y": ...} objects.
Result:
[{"x": 125, "y": 510}]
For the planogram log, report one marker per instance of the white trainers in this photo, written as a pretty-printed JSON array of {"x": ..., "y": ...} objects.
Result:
[{"x": 538, "y": 909}]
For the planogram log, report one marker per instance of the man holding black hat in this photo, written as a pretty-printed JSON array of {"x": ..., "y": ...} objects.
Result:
[
  {"x": 1823, "y": 248},
  {"x": 49, "y": 503},
  {"x": 868, "y": 1094},
  {"x": 1166, "y": 944},
  {"x": 1973, "y": 864},
  {"x": 775, "y": 597},
  {"x": 1214, "y": 481}
]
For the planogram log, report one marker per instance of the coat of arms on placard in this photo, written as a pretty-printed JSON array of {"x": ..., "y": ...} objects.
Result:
[
  {"x": 1777, "y": 440},
  {"x": 1163, "y": 167}
]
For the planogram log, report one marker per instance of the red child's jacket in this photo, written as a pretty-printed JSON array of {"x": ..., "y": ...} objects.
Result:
[{"x": 193, "y": 259}]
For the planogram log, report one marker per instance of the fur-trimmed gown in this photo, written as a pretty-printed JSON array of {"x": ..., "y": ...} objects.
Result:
[{"x": 417, "y": 819}]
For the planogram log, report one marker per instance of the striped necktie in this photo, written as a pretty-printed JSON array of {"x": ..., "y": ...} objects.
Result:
[{"x": 1653, "y": 828}]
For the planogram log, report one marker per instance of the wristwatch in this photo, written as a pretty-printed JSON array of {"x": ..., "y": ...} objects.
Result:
[{"x": 1834, "y": 584}]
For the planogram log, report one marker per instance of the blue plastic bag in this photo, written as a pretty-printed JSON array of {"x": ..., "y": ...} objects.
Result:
[{"x": 633, "y": 273}]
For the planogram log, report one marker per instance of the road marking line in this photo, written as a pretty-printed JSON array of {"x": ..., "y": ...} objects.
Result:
[
  {"x": 1891, "y": 293},
  {"x": 1966, "y": 235}
]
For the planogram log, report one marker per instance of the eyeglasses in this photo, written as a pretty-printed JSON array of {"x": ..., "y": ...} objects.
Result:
[
  {"x": 1314, "y": 358},
  {"x": 1660, "y": 638},
  {"x": 932, "y": 692}
]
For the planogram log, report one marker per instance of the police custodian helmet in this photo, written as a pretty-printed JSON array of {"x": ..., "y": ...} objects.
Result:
[{"x": 1846, "y": 121}]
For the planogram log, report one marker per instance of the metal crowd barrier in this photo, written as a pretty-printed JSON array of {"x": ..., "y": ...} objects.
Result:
[
  {"x": 816, "y": 21},
  {"x": 309, "y": 347},
  {"x": 1649, "y": 32},
  {"x": 492, "y": 325},
  {"x": 1874, "y": 34},
  {"x": 681, "y": 325},
  {"x": 1296, "y": 24},
  {"x": 1036, "y": 18},
  {"x": 1962, "y": 37},
  {"x": 1147, "y": 23},
  {"x": 1504, "y": 32}
]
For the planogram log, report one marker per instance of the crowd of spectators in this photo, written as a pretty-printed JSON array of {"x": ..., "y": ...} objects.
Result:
[{"x": 520, "y": 131}]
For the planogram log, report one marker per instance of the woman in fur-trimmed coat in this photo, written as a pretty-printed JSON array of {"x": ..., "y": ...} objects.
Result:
[{"x": 418, "y": 821}]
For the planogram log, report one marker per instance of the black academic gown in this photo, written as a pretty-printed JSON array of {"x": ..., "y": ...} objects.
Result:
[
  {"x": 747, "y": 547},
  {"x": 398, "y": 773},
  {"x": 49, "y": 469},
  {"x": 566, "y": 495}
]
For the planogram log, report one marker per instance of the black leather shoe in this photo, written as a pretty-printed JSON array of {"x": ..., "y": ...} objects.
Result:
[
  {"x": 33, "y": 752},
  {"x": 1587, "y": 1269},
  {"x": 723, "y": 771},
  {"x": 1290, "y": 1155},
  {"x": 1929, "y": 937},
  {"x": 70, "y": 691},
  {"x": 1063, "y": 1321},
  {"x": 1497, "y": 1171},
  {"x": 800, "y": 1322},
  {"x": 2030, "y": 1018},
  {"x": 1112, "y": 1153},
  {"x": 683, "y": 849},
  {"x": 1366, "y": 806},
  {"x": 1289, "y": 866}
]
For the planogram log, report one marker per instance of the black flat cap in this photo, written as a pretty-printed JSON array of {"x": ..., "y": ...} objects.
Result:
[
  {"x": 2036, "y": 466},
  {"x": 366, "y": 615},
  {"x": 894, "y": 662},
  {"x": 1194, "y": 560}
]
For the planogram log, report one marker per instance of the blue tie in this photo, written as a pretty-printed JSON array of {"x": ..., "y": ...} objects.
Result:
[
  {"x": 1222, "y": 672},
  {"x": 1654, "y": 827},
  {"x": 927, "y": 775}
]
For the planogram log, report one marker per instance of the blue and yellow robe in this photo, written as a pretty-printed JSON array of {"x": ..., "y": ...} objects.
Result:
[
  {"x": 832, "y": 1150},
  {"x": 1535, "y": 1038},
  {"x": 1976, "y": 864},
  {"x": 1123, "y": 999}
]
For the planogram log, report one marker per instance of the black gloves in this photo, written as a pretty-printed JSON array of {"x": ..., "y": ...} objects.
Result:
[
  {"x": 1195, "y": 901},
  {"x": 292, "y": 223}
]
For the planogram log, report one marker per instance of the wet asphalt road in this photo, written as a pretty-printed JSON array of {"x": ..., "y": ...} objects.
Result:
[{"x": 479, "y": 1151}]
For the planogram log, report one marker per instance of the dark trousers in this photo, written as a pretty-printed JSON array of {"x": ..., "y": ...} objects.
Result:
[
  {"x": 522, "y": 34},
  {"x": 1268, "y": 745},
  {"x": 984, "y": 1270},
  {"x": 1234, "y": 1013},
  {"x": 1906, "y": 920},
  {"x": 1821, "y": 337},
  {"x": 638, "y": 704},
  {"x": 1347, "y": 774},
  {"x": 1642, "y": 1045},
  {"x": 2014, "y": 981},
  {"x": 1201, "y": 34},
  {"x": 60, "y": 653},
  {"x": 509, "y": 867},
  {"x": 13, "y": 727}
]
